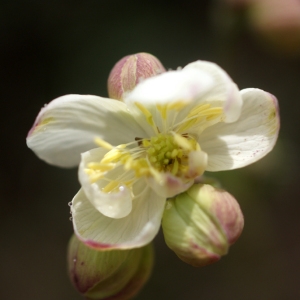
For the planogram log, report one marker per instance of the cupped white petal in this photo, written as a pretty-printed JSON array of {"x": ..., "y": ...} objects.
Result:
[
  {"x": 115, "y": 204},
  {"x": 168, "y": 99},
  {"x": 197, "y": 163},
  {"x": 133, "y": 231},
  {"x": 170, "y": 87},
  {"x": 157, "y": 102},
  {"x": 235, "y": 145},
  {"x": 68, "y": 126},
  {"x": 224, "y": 89}
]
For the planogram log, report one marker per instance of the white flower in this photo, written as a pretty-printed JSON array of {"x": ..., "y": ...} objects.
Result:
[{"x": 166, "y": 132}]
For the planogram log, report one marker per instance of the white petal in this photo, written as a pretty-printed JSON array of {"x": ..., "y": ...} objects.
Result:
[
  {"x": 169, "y": 87},
  {"x": 197, "y": 163},
  {"x": 224, "y": 89},
  {"x": 114, "y": 204},
  {"x": 68, "y": 125},
  {"x": 135, "y": 230},
  {"x": 168, "y": 185},
  {"x": 198, "y": 83},
  {"x": 235, "y": 145}
]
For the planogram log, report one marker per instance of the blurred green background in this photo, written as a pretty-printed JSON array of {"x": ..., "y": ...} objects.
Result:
[{"x": 53, "y": 48}]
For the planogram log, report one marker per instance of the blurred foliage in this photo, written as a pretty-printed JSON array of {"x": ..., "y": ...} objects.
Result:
[{"x": 52, "y": 48}]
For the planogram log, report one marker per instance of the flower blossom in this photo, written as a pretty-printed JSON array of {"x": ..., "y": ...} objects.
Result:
[{"x": 138, "y": 152}]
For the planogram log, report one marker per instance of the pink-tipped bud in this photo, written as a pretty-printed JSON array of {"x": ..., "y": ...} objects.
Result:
[
  {"x": 114, "y": 274},
  {"x": 200, "y": 224},
  {"x": 131, "y": 70}
]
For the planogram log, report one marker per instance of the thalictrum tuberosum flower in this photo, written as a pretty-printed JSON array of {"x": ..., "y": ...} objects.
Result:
[{"x": 152, "y": 145}]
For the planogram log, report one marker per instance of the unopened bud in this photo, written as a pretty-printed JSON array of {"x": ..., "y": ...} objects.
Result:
[
  {"x": 131, "y": 70},
  {"x": 114, "y": 274},
  {"x": 200, "y": 224}
]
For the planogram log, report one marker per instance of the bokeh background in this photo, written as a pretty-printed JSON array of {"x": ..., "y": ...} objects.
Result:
[{"x": 52, "y": 48}]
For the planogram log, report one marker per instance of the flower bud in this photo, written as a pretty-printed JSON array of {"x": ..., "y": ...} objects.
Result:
[
  {"x": 129, "y": 71},
  {"x": 114, "y": 274},
  {"x": 200, "y": 224}
]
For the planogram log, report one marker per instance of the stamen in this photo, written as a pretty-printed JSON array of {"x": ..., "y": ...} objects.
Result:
[
  {"x": 103, "y": 144},
  {"x": 110, "y": 186},
  {"x": 163, "y": 110},
  {"x": 175, "y": 167},
  {"x": 174, "y": 153},
  {"x": 147, "y": 114},
  {"x": 178, "y": 105},
  {"x": 112, "y": 155},
  {"x": 95, "y": 177},
  {"x": 182, "y": 142},
  {"x": 199, "y": 116},
  {"x": 100, "y": 166}
]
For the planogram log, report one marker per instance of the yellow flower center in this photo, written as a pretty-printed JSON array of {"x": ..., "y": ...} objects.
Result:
[
  {"x": 169, "y": 152},
  {"x": 166, "y": 151},
  {"x": 145, "y": 157}
]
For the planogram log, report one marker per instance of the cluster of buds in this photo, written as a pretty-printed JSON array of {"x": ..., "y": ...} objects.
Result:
[{"x": 199, "y": 225}]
